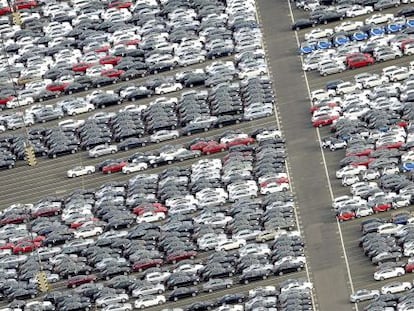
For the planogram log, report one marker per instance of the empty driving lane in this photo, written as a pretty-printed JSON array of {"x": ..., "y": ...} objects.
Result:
[{"x": 325, "y": 255}]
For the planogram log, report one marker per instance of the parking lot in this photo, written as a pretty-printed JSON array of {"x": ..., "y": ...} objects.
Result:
[
  {"x": 234, "y": 132},
  {"x": 360, "y": 272}
]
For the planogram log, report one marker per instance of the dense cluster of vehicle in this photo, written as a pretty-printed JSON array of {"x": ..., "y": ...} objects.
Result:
[
  {"x": 363, "y": 46},
  {"x": 66, "y": 47},
  {"x": 326, "y": 11},
  {"x": 157, "y": 225},
  {"x": 370, "y": 119},
  {"x": 136, "y": 126}
]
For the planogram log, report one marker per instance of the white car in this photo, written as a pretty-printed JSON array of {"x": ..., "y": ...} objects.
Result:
[
  {"x": 189, "y": 268},
  {"x": 321, "y": 94},
  {"x": 87, "y": 232},
  {"x": 111, "y": 299},
  {"x": 134, "y": 167},
  {"x": 347, "y": 87},
  {"x": 273, "y": 187},
  {"x": 101, "y": 150},
  {"x": 319, "y": 33},
  {"x": 230, "y": 244},
  {"x": 80, "y": 171},
  {"x": 358, "y": 10},
  {"x": 363, "y": 211},
  {"x": 19, "y": 102},
  {"x": 118, "y": 307},
  {"x": 164, "y": 135},
  {"x": 349, "y": 26},
  {"x": 79, "y": 108},
  {"x": 71, "y": 123},
  {"x": 350, "y": 170},
  {"x": 168, "y": 88},
  {"x": 296, "y": 285},
  {"x": 370, "y": 174},
  {"x": 151, "y": 217},
  {"x": 388, "y": 228},
  {"x": 379, "y": 18},
  {"x": 388, "y": 273},
  {"x": 157, "y": 277},
  {"x": 271, "y": 134},
  {"x": 395, "y": 287},
  {"x": 374, "y": 81},
  {"x": 349, "y": 180},
  {"x": 148, "y": 301}
]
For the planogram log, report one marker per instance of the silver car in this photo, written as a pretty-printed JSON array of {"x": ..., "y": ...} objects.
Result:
[
  {"x": 217, "y": 284},
  {"x": 331, "y": 68},
  {"x": 148, "y": 289},
  {"x": 364, "y": 294},
  {"x": 101, "y": 150}
]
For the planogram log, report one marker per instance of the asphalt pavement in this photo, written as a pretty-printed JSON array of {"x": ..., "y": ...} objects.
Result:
[{"x": 310, "y": 184}]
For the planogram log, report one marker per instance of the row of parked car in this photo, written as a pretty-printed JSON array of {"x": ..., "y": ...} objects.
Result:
[
  {"x": 326, "y": 11},
  {"x": 179, "y": 198},
  {"x": 285, "y": 295},
  {"x": 195, "y": 111},
  {"x": 68, "y": 53}
]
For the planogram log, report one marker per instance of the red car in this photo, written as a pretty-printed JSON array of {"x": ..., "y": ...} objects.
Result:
[
  {"x": 14, "y": 219},
  {"x": 5, "y": 10},
  {"x": 365, "y": 152},
  {"x": 323, "y": 121},
  {"x": 130, "y": 42},
  {"x": 316, "y": 107},
  {"x": 110, "y": 59},
  {"x": 362, "y": 160},
  {"x": 25, "y": 247},
  {"x": 241, "y": 141},
  {"x": 382, "y": 207},
  {"x": 154, "y": 207},
  {"x": 113, "y": 168},
  {"x": 120, "y": 4},
  {"x": 81, "y": 279},
  {"x": 112, "y": 73},
  {"x": 346, "y": 215},
  {"x": 282, "y": 180},
  {"x": 405, "y": 42},
  {"x": 4, "y": 101},
  {"x": 409, "y": 267},
  {"x": 47, "y": 212},
  {"x": 360, "y": 61},
  {"x": 199, "y": 145},
  {"x": 7, "y": 246},
  {"x": 80, "y": 222},
  {"x": 214, "y": 147},
  {"x": 395, "y": 145},
  {"x": 146, "y": 264},
  {"x": 25, "y": 4},
  {"x": 174, "y": 258},
  {"x": 57, "y": 87},
  {"x": 81, "y": 67},
  {"x": 102, "y": 49}
]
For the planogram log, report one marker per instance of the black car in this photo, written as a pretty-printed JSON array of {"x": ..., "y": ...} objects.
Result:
[
  {"x": 231, "y": 299},
  {"x": 7, "y": 163},
  {"x": 75, "y": 88},
  {"x": 181, "y": 279},
  {"x": 407, "y": 11},
  {"x": 132, "y": 142},
  {"x": 254, "y": 275},
  {"x": 61, "y": 150},
  {"x": 303, "y": 23},
  {"x": 288, "y": 267},
  {"x": 194, "y": 80},
  {"x": 182, "y": 292},
  {"x": 330, "y": 17},
  {"x": 104, "y": 100},
  {"x": 45, "y": 95},
  {"x": 101, "y": 81}
]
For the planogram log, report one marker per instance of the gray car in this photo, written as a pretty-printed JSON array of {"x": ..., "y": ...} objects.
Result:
[
  {"x": 364, "y": 294},
  {"x": 217, "y": 284},
  {"x": 331, "y": 68},
  {"x": 385, "y": 4}
]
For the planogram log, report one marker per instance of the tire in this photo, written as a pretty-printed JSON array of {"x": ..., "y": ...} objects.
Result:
[{"x": 246, "y": 281}]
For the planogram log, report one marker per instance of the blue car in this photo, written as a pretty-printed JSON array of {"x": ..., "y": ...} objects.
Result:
[
  {"x": 393, "y": 28},
  {"x": 377, "y": 31},
  {"x": 409, "y": 23},
  {"x": 408, "y": 166},
  {"x": 341, "y": 40},
  {"x": 306, "y": 48},
  {"x": 359, "y": 36},
  {"x": 324, "y": 44},
  {"x": 400, "y": 219}
]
